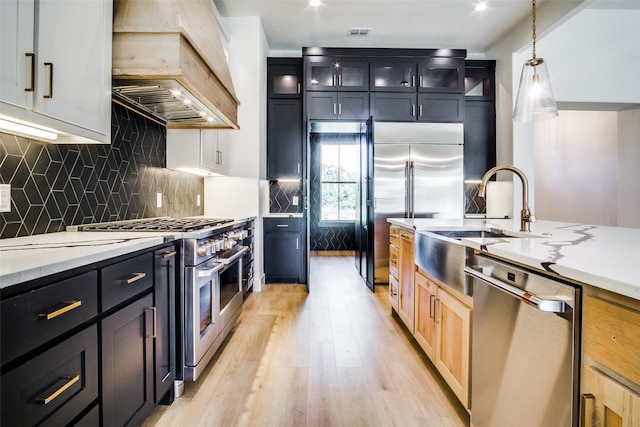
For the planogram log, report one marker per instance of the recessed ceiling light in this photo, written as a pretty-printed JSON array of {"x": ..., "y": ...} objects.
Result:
[
  {"x": 480, "y": 7},
  {"x": 314, "y": 3}
]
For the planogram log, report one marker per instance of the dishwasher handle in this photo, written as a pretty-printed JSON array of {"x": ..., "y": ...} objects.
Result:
[{"x": 547, "y": 305}]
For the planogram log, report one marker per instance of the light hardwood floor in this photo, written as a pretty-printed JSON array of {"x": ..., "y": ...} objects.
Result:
[{"x": 331, "y": 357}]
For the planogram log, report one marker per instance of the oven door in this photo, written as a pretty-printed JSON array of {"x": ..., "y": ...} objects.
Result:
[
  {"x": 230, "y": 286},
  {"x": 202, "y": 295}
]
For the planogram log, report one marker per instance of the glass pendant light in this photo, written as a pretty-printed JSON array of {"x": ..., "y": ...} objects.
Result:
[{"x": 535, "y": 99}]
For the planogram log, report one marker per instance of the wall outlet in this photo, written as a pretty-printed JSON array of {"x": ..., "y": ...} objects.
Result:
[
  {"x": 5, "y": 197},
  {"x": 198, "y": 200},
  {"x": 295, "y": 201},
  {"x": 158, "y": 200}
]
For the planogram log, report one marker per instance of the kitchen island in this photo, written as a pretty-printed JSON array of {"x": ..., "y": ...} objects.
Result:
[
  {"x": 603, "y": 257},
  {"x": 603, "y": 263}
]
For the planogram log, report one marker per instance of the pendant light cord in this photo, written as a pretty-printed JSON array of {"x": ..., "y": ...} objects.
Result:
[{"x": 533, "y": 19}]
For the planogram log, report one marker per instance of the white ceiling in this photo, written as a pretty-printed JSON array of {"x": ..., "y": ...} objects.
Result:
[
  {"x": 446, "y": 24},
  {"x": 292, "y": 24}
]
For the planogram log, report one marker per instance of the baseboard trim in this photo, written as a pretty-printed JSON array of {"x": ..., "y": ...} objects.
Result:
[{"x": 333, "y": 253}]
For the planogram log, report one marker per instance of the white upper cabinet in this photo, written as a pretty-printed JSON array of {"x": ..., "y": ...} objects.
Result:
[
  {"x": 17, "y": 52},
  {"x": 56, "y": 66},
  {"x": 198, "y": 151}
]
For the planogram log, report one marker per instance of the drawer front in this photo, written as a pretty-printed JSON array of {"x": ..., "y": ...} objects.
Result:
[
  {"x": 393, "y": 292},
  {"x": 57, "y": 385},
  {"x": 33, "y": 318},
  {"x": 394, "y": 236},
  {"x": 611, "y": 336},
  {"x": 292, "y": 225},
  {"x": 393, "y": 261},
  {"x": 91, "y": 419},
  {"x": 126, "y": 279}
]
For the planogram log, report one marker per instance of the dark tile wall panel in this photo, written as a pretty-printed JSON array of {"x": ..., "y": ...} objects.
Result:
[
  {"x": 54, "y": 186},
  {"x": 473, "y": 204},
  {"x": 281, "y": 194},
  {"x": 325, "y": 237}
]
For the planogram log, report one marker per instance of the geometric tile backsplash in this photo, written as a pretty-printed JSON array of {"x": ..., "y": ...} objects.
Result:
[{"x": 53, "y": 186}]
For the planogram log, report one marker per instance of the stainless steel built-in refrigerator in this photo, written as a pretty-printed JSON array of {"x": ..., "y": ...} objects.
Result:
[{"x": 418, "y": 173}]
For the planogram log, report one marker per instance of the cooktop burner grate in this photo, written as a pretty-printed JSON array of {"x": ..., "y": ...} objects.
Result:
[{"x": 157, "y": 224}]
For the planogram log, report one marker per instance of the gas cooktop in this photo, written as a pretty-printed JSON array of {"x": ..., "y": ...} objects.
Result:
[{"x": 157, "y": 224}]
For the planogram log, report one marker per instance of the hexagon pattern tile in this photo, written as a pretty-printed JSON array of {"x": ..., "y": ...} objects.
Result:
[{"x": 54, "y": 186}]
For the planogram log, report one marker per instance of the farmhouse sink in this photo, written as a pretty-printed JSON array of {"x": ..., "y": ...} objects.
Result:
[
  {"x": 463, "y": 234},
  {"x": 441, "y": 254}
]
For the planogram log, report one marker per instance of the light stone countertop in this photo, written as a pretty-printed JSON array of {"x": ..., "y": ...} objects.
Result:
[
  {"x": 31, "y": 257},
  {"x": 600, "y": 256}
]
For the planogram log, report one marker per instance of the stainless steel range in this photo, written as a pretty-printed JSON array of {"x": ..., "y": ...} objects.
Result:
[{"x": 216, "y": 273}]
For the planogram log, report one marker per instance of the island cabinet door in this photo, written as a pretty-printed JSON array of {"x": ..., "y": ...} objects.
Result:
[
  {"x": 607, "y": 403},
  {"x": 426, "y": 298},
  {"x": 452, "y": 354},
  {"x": 407, "y": 270},
  {"x": 127, "y": 364}
]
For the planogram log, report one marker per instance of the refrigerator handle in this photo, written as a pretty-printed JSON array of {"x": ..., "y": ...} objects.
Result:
[
  {"x": 407, "y": 190},
  {"x": 412, "y": 172}
]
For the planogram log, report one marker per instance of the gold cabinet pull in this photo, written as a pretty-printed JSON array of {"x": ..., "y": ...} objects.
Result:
[
  {"x": 584, "y": 413},
  {"x": 71, "y": 381},
  {"x": 432, "y": 307},
  {"x": 298, "y": 88},
  {"x": 32, "y": 82},
  {"x": 168, "y": 255},
  {"x": 70, "y": 306},
  {"x": 155, "y": 323},
  {"x": 50, "y": 65},
  {"x": 135, "y": 278}
]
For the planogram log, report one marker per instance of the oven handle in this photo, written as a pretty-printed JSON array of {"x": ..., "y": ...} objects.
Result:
[
  {"x": 209, "y": 271},
  {"x": 232, "y": 258},
  {"x": 548, "y": 305}
]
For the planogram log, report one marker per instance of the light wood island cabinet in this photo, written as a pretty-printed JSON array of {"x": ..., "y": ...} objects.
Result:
[
  {"x": 443, "y": 330},
  {"x": 611, "y": 362},
  {"x": 402, "y": 268},
  {"x": 438, "y": 316}
]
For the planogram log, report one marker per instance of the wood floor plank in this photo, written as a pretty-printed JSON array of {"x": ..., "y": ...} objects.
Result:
[{"x": 331, "y": 357}]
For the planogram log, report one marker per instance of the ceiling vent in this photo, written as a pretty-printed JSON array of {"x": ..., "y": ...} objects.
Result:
[{"x": 358, "y": 32}]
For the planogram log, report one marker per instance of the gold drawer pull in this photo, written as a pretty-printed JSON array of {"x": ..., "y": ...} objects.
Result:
[
  {"x": 168, "y": 255},
  {"x": 58, "y": 392},
  {"x": 71, "y": 305},
  {"x": 135, "y": 278}
]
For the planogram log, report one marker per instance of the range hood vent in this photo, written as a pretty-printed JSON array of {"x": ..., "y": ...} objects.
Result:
[{"x": 169, "y": 64}]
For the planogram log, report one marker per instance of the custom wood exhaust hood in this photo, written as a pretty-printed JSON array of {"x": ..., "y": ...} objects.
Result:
[{"x": 169, "y": 64}]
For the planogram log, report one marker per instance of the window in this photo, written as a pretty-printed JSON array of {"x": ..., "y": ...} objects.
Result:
[{"x": 338, "y": 181}]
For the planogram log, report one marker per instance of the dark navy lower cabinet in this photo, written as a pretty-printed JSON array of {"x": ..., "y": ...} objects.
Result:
[{"x": 284, "y": 243}]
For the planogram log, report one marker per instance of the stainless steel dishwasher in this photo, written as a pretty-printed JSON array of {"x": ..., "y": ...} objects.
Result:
[{"x": 525, "y": 347}]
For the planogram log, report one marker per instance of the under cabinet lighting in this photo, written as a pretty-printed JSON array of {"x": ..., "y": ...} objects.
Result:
[
  {"x": 24, "y": 128},
  {"x": 314, "y": 3},
  {"x": 199, "y": 172}
]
